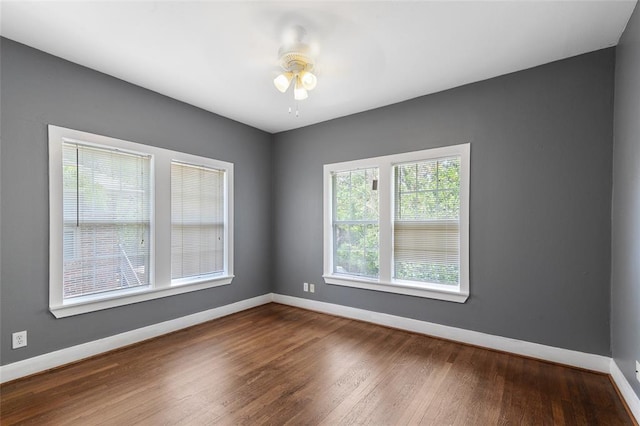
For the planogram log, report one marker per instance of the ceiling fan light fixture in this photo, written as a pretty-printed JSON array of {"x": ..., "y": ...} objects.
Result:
[
  {"x": 296, "y": 65},
  {"x": 283, "y": 81}
]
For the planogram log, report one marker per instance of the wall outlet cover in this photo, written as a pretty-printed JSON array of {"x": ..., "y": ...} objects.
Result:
[
  {"x": 305, "y": 286},
  {"x": 19, "y": 339}
]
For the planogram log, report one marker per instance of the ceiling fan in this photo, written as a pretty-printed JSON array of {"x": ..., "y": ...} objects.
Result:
[
  {"x": 319, "y": 49},
  {"x": 297, "y": 65}
]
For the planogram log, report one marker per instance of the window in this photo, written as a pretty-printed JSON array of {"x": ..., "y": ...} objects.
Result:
[
  {"x": 426, "y": 217},
  {"x": 355, "y": 224},
  {"x": 399, "y": 223},
  {"x": 115, "y": 241},
  {"x": 106, "y": 216},
  {"x": 197, "y": 222}
]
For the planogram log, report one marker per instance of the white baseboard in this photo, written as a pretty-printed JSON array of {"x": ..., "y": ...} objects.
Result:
[
  {"x": 534, "y": 350},
  {"x": 626, "y": 390},
  {"x": 75, "y": 353}
]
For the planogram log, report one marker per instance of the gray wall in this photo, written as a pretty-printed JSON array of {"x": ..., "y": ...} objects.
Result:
[
  {"x": 540, "y": 217},
  {"x": 40, "y": 89},
  {"x": 625, "y": 247}
]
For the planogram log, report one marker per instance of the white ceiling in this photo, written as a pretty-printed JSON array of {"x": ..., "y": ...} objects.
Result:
[{"x": 222, "y": 56}]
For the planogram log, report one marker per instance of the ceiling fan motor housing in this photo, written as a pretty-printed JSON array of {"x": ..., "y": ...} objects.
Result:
[{"x": 295, "y": 58}]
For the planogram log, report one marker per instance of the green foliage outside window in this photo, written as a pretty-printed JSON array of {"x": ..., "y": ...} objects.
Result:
[
  {"x": 356, "y": 223},
  {"x": 427, "y": 211}
]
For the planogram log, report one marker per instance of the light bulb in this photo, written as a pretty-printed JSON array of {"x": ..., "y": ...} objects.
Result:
[
  {"x": 283, "y": 81},
  {"x": 309, "y": 81},
  {"x": 299, "y": 92}
]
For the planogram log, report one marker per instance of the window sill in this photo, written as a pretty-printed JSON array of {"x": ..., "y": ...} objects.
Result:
[
  {"x": 431, "y": 291},
  {"x": 129, "y": 296}
]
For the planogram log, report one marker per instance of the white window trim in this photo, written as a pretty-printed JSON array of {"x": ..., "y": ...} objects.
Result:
[
  {"x": 385, "y": 282},
  {"x": 160, "y": 233}
]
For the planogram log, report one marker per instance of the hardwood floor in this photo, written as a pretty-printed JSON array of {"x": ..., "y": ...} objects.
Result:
[{"x": 276, "y": 364}]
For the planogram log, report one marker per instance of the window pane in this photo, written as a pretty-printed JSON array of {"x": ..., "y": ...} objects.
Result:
[
  {"x": 106, "y": 211},
  {"x": 355, "y": 223},
  {"x": 197, "y": 221},
  {"x": 354, "y": 197},
  {"x": 426, "y": 225},
  {"x": 356, "y": 249}
]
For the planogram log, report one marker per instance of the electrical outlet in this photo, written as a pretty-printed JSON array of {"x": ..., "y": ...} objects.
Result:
[
  {"x": 19, "y": 339},
  {"x": 305, "y": 286},
  {"x": 638, "y": 370},
  {"x": 312, "y": 288}
]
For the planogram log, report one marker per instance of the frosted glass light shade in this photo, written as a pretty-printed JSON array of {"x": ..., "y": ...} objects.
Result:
[
  {"x": 309, "y": 81},
  {"x": 283, "y": 81},
  {"x": 299, "y": 92}
]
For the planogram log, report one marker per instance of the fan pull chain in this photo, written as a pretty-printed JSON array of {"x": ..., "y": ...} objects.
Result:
[{"x": 297, "y": 110}]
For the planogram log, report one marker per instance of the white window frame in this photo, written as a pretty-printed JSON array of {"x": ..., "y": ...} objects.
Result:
[
  {"x": 385, "y": 281},
  {"x": 161, "y": 284}
]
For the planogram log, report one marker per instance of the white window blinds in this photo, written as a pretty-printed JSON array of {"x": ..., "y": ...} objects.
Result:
[
  {"x": 106, "y": 215},
  {"x": 426, "y": 234},
  {"x": 197, "y": 221}
]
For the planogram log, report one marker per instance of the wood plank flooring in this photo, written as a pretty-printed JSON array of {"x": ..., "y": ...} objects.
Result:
[{"x": 277, "y": 365}]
